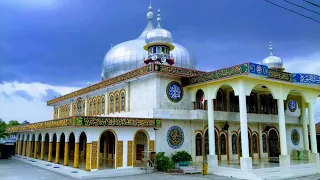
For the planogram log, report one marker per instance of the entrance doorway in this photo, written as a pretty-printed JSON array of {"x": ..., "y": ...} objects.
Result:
[
  {"x": 107, "y": 151},
  {"x": 141, "y": 141},
  {"x": 273, "y": 140}
]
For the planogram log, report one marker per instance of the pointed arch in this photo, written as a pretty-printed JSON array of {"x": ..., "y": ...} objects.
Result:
[
  {"x": 90, "y": 107},
  {"x": 98, "y": 110},
  {"x": 123, "y": 100},
  {"x": 111, "y": 103},
  {"x": 103, "y": 104},
  {"x": 116, "y": 103},
  {"x": 79, "y": 106},
  {"x": 94, "y": 109}
]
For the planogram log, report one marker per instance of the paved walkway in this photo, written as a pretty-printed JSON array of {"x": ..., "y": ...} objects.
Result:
[{"x": 15, "y": 170}]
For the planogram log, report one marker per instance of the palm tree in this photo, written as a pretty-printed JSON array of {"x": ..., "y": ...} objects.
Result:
[{"x": 3, "y": 134}]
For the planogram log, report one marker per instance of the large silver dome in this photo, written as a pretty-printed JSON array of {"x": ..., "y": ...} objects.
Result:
[
  {"x": 130, "y": 55},
  {"x": 272, "y": 61}
]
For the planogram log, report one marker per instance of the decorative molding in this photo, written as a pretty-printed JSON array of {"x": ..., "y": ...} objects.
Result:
[
  {"x": 258, "y": 69},
  {"x": 119, "y": 153},
  {"x": 219, "y": 74},
  {"x": 116, "y": 121},
  {"x": 295, "y": 137},
  {"x": 174, "y": 91},
  {"x": 306, "y": 78},
  {"x": 279, "y": 75},
  {"x": 175, "y": 137},
  {"x": 89, "y": 121},
  {"x": 173, "y": 70},
  {"x": 130, "y": 154},
  {"x": 94, "y": 154}
]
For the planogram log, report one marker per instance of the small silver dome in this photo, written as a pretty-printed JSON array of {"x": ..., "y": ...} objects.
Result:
[
  {"x": 130, "y": 55},
  {"x": 159, "y": 35},
  {"x": 272, "y": 61}
]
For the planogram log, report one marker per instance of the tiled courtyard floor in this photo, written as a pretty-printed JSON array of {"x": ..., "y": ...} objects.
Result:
[{"x": 15, "y": 170}]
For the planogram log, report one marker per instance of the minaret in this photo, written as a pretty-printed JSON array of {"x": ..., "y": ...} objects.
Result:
[{"x": 159, "y": 44}]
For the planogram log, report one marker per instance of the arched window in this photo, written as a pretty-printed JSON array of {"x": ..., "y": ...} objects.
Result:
[
  {"x": 98, "y": 106},
  {"x": 270, "y": 105},
  {"x": 198, "y": 144},
  {"x": 199, "y": 99},
  {"x": 103, "y": 105},
  {"x": 74, "y": 111},
  {"x": 220, "y": 100},
  {"x": 90, "y": 107},
  {"x": 123, "y": 99},
  {"x": 231, "y": 102},
  {"x": 255, "y": 143},
  {"x": 223, "y": 144},
  {"x": 94, "y": 106},
  {"x": 83, "y": 107},
  {"x": 68, "y": 110},
  {"x": 234, "y": 144},
  {"x": 264, "y": 143},
  {"x": 263, "y": 104},
  {"x": 253, "y": 103},
  {"x": 216, "y": 137},
  {"x": 79, "y": 106},
  {"x": 111, "y": 103},
  {"x": 117, "y": 102},
  {"x": 206, "y": 142}
]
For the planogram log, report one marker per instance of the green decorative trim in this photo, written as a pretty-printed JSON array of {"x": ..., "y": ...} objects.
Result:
[
  {"x": 174, "y": 99},
  {"x": 173, "y": 70},
  {"x": 279, "y": 75},
  {"x": 82, "y": 121},
  {"x": 219, "y": 74}
]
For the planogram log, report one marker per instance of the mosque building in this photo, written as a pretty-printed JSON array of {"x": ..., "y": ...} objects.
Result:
[{"x": 153, "y": 99}]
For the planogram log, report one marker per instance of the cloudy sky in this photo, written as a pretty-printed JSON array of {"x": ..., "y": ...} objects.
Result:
[{"x": 51, "y": 47}]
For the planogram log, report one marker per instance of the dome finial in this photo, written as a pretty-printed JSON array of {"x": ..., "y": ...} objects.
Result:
[
  {"x": 111, "y": 45},
  {"x": 150, "y": 13},
  {"x": 270, "y": 49},
  {"x": 159, "y": 19}
]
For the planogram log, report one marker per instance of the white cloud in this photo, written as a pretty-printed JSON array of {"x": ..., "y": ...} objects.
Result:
[
  {"x": 15, "y": 107},
  {"x": 305, "y": 64}
]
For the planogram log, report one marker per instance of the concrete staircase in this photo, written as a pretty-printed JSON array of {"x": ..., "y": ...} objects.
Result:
[
  {"x": 293, "y": 171},
  {"x": 191, "y": 169}
]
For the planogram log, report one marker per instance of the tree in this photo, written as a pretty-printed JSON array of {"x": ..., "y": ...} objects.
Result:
[
  {"x": 3, "y": 124},
  {"x": 13, "y": 123},
  {"x": 3, "y": 127},
  {"x": 3, "y": 133},
  {"x": 25, "y": 122}
]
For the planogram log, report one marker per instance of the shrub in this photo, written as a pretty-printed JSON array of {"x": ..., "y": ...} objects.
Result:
[
  {"x": 181, "y": 156},
  {"x": 163, "y": 162}
]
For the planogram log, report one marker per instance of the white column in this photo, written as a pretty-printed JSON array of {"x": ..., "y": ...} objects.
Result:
[
  {"x": 304, "y": 125},
  {"x": 284, "y": 158},
  {"x": 314, "y": 149},
  {"x": 211, "y": 127},
  {"x": 212, "y": 157},
  {"x": 306, "y": 151},
  {"x": 245, "y": 160}
]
